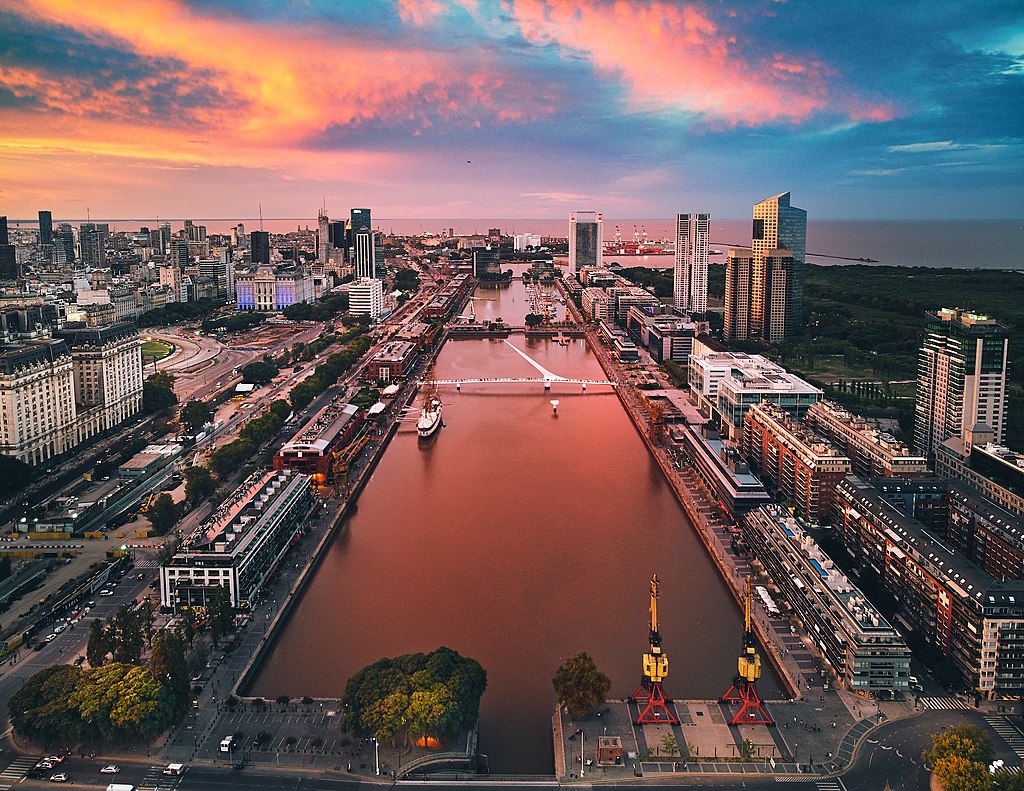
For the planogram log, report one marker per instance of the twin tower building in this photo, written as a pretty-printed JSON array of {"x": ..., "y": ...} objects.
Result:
[{"x": 764, "y": 283}]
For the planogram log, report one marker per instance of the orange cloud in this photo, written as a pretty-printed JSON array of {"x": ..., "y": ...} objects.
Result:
[{"x": 675, "y": 57}]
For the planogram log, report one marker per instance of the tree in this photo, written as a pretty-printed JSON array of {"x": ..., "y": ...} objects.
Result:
[
  {"x": 967, "y": 741},
  {"x": 163, "y": 512},
  {"x": 40, "y": 710},
  {"x": 580, "y": 686},
  {"x": 194, "y": 415},
  {"x": 229, "y": 458},
  {"x": 125, "y": 635},
  {"x": 1002, "y": 781},
  {"x": 158, "y": 393},
  {"x": 957, "y": 773},
  {"x": 198, "y": 483},
  {"x": 534, "y": 319},
  {"x": 669, "y": 744},
  {"x": 219, "y": 613},
  {"x": 167, "y": 664},
  {"x": 99, "y": 646},
  {"x": 15, "y": 475},
  {"x": 259, "y": 372}
]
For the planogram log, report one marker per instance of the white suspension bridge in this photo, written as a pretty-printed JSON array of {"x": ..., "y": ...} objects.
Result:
[{"x": 546, "y": 377}]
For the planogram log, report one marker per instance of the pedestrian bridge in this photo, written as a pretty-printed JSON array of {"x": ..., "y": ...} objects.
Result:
[{"x": 546, "y": 377}]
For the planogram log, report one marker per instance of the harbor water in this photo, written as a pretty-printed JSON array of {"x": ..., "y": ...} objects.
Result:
[{"x": 518, "y": 537}]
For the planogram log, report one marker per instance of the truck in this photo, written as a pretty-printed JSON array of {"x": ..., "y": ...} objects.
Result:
[{"x": 120, "y": 787}]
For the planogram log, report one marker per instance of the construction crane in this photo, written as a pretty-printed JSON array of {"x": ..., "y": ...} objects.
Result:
[
  {"x": 744, "y": 686},
  {"x": 341, "y": 461},
  {"x": 655, "y": 666}
]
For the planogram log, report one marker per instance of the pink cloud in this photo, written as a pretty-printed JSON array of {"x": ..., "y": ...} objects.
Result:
[{"x": 677, "y": 58}]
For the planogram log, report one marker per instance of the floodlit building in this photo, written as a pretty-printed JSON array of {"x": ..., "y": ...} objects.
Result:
[
  {"x": 366, "y": 298},
  {"x": 779, "y": 248},
  {"x": 241, "y": 545}
]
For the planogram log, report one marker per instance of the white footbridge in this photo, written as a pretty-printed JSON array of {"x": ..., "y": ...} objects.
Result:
[{"x": 546, "y": 377}]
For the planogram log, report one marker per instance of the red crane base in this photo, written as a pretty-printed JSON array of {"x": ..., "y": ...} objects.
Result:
[
  {"x": 752, "y": 712},
  {"x": 656, "y": 710}
]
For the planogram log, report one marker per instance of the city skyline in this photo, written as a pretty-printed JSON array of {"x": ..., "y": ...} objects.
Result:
[{"x": 525, "y": 109}]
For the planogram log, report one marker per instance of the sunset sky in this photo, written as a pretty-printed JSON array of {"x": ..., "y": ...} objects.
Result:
[{"x": 510, "y": 108}]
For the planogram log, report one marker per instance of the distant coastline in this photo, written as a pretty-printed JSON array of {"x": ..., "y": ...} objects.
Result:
[{"x": 956, "y": 244}]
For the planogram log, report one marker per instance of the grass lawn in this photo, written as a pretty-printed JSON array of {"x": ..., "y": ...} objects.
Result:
[{"x": 157, "y": 349}]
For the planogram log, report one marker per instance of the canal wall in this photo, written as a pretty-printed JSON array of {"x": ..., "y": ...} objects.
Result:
[{"x": 690, "y": 507}]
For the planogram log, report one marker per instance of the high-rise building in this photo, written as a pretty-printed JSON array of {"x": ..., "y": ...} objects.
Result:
[
  {"x": 360, "y": 220},
  {"x": 336, "y": 234},
  {"x": 738, "y": 267},
  {"x": 366, "y": 298},
  {"x": 693, "y": 232},
  {"x": 586, "y": 240},
  {"x": 259, "y": 243},
  {"x": 92, "y": 237},
  {"x": 8, "y": 255},
  {"x": 64, "y": 244},
  {"x": 45, "y": 227},
  {"x": 365, "y": 244},
  {"x": 777, "y": 280},
  {"x": 961, "y": 378},
  {"x": 238, "y": 238},
  {"x": 487, "y": 262},
  {"x": 323, "y": 241}
]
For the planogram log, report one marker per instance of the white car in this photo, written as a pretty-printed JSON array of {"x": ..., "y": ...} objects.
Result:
[
  {"x": 60, "y": 629},
  {"x": 50, "y": 637},
  {"x": 106, "y": 592},
  {"x": 60, "y": 777},
  {"x": 110, "y": 770}
]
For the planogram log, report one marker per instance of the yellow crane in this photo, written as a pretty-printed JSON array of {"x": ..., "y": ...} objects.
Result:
[
  {"x": 744, "y": 685},
  {"x": 655, "y": 669}
]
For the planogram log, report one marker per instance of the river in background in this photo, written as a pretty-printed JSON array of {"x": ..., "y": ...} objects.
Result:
[
  {"x": 969, "y": 244},
  {"x": 519, "y": 538}
]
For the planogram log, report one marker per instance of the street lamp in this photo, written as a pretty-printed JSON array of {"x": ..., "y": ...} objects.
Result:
[{"x": 376, "y": 754}]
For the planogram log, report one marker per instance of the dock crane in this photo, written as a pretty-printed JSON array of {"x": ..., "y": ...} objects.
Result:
[
  {"x": 655, "y": 665},
  {"x": 744, "y": 686}
]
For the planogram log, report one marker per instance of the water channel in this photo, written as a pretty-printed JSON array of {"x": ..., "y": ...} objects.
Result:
[{"x": 519, "y": 538}]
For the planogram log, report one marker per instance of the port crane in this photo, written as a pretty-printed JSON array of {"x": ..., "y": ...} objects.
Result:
[
  {"x": 655, "y": 666},
  {"x": 744, "y": 686}
]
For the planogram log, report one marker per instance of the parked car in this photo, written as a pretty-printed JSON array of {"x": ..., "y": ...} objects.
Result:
[{"x": 60, "y": 777}]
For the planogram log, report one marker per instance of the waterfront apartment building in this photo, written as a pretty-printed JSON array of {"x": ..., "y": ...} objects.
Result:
[
  {"x": 779, "y": 245},
  {"x": 721, "y": 468},
  {"x": 727, "y": 384},
  {"x": 690, "y": 280},
  {"x": 961, "y": 378},
  {"x": 393, "y": 361},
  {"x": 586, "y": 240},
  {"x": 595, "y": 304},
  {"x": 311, "y": 451},
  {"x": 793, "y": 460},
  {"x": 872, "y": 453},
  {"x": 973, "y": 619},
  {"x": 366, "y": 298},
  {"x": 867, "y": 654},
  {"x": 738, "y": 265},
  {"x": 995, "y": 471},
  {"x": 241, "y": 545},
  {"x": 666, "y": 337}
]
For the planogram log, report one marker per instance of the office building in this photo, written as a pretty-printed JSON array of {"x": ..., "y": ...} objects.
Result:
[
  {"x": 586, "y": 240},
  {"x": 665, "y": 337},
  {"x": 727, "y": 384},
  {"x": 365, "y": 250},
  {"x": 311, "y": 451},
  {"x": 487, "y": 263},
  {"x": 37, "y": 400},
  {"x": 793, "y": 460},
  {"x": 366, "y": 298},
  {"x": 721, "y": 467},
  {"x": 523, "y": 241},
  {"x": 9, "y": 269},
  {"x": 974, "y": 620},
  {"x": 238, "y": 238},
  {"x": 738, "y": 266},
  {"x": 107, "y": 371},
  {"x": 872, "y": 453},
  {"x": 92, "y": 238},
  {"x": 360, "y": 220},
  {"x": 323, "y": 241},
  {"x": 961, "y": 378},
  {"x": 779, "y": 245},
  {"x": 221, "y": 271},
  {"x": 45, "y": 227},
  {"x": 241, "y": 545},
  {"x": 393, "y": 361},
  {"x": 867, "y": 653},
  {"x": 690, "y": 282},
  {"x": 259, "y": 247}
]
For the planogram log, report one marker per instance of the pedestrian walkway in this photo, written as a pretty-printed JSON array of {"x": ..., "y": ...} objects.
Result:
[
  {"x": 17, "y": 771},
  {"x": 1008, "y": 732},
  {"x": 943, "y": 704},
  {"x": 147, "y": 563},
  {"x": 156, "y": 779}
]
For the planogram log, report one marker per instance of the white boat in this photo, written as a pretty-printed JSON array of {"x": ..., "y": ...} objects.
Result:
[{"x": 430, "y": 418}]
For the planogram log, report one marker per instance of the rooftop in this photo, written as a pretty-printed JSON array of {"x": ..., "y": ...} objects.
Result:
[
  {"x": 325, "y": 425},
  {"x": 807, "y": 438}
]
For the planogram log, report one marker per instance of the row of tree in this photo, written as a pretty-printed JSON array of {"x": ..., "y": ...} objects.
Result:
[
  {"x": 230, "y": 457},
  {"x": 178, "y": 312},
  {"x": 332, "y": 369}
]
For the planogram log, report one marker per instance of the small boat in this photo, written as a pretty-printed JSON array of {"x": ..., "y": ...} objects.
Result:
[{"x": 430, "y": 418}]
